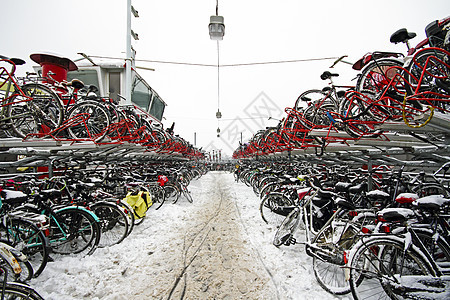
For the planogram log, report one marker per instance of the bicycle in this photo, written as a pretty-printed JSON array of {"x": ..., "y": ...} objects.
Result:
[
  {"x": 319, "y": 102},
  {"x": 401, "y": 265},
  {"x": 16, "y": 290},
  {"x": 27, "y": 109}
]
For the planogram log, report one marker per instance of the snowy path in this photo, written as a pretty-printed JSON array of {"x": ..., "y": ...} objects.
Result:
[{"x": 215, "y": 248}]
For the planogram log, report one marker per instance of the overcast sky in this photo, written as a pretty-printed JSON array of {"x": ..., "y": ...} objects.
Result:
[{"x": 256, "y": 31}]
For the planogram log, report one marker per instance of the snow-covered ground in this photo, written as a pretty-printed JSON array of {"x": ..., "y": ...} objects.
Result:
[{"x": 217, "y": 247}]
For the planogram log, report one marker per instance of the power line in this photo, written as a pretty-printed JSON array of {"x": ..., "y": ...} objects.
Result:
[{"x": 219, "y": 65}]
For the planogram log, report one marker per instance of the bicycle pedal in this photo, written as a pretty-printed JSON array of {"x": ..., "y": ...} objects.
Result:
[{"x": 290, "y": 241}]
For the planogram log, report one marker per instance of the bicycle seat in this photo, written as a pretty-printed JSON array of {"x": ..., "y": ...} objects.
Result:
[
  {"x": 396, "y": 214},
  {"x": 17, "y": 61},
  {"x": 406, "y": 198},
  {"x": 377, "y": 195},
  {"x": 326, "y": 75},
  {"x": 341, "y": 202},
  {"x": 433, "y": 202},
  {"x": 13, "y": 197},
  {"x": 358, "y": 188},
  {"x": 75, "y": 83},
  {"x": 401, "y": 36},
  {"x": 342, "y": 187}
]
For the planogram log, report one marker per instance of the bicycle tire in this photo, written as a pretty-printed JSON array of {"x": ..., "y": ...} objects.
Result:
[
  {"x": 89, "y": 121},
  {"x": 157, "y": 193},
  {"x": 287, "y": 228},
  {"x": 74, "y": 231},
  {"x": 172, "y": 192},
  {"x": 371, "y": 264},
  {"x": 19, "y": 291},
  {"x": 26, "y": 237},
  {"x": 273, "y": 208},
  {"x": 129, "y": 212},
  {"x": 113, "y": 223},
  {"x": 186, "y": 193},
  {"x": 309, "y": 96},
  {"x": 434, "y": 69},
  {"x": 41, "y": 115},
  {"x": 359, "y": 118},
  {"x": 330, "y": 275},
  {"x": 376, "y": 75}
]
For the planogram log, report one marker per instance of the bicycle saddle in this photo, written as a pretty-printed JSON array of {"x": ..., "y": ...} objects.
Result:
[
  {"x": 401, "y": 36},
  {"x": 396, "y": 214},
  {"x": 432, "y": 202},
  {"x": 16, "y": 61},
  {"x": 326, "y": 75},
  {"x": 341, "y": 202}
]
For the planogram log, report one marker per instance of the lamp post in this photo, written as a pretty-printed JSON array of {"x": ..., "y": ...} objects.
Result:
[{"x": 130, "y": 52}]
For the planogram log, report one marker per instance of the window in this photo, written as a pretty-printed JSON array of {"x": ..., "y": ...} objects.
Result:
[
  {"x": 157, "y": 109},
  {"x": 89, "y": 77},
  {"x": 141, "y": 94},
  {"x": 114, "y": 85}
]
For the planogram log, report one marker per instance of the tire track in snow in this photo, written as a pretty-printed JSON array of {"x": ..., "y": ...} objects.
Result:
[{"x": 217, "y": 261}]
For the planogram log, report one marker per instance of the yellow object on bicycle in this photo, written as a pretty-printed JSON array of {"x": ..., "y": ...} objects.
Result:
[{"x": 140, "y": 203}]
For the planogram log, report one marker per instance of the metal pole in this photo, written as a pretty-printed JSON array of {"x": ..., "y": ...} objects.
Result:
[
  {"x": 195, "y": 138},
  {"x": 129, "y": 57}
]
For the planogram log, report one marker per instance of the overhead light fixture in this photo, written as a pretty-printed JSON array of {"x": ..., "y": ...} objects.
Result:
[
  {"x": 216, "y": 28},
  {"x": 218, "y": 114}
]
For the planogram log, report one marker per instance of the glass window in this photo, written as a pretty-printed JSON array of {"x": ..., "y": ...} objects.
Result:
[
  {"x": 157, "y": 109},
  {"x": 141, "y": 94},
  {"x": 89, "y": 77},
  {"x": 114, "y": 85}
]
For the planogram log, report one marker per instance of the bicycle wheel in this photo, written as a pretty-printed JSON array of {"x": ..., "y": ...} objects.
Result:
[
  {"x": 317, "y": 117},
  {"x": 19, "y": 291},
  {"x": 376, "y": 75},
  {"x": 429, "y": 189},
  {"x": 128, "y": 210},
  {"x": 74, "y": 230},
  {"x": 26, "y": 237},
  {"x": 274, "y": 208},
  {"x": 378, "y": 264},
  {"x": 88, "y": 120},
  {"x": 40, "y": 115},
  {"x": 186, "y": 193},
  {"x": 172, "y": 192},
  {"x": 157, "y": 193},
  {"x": 432, "y": 64},
  {"x": 360, "y": 115},
  {"x": 113, "y": 223},
  {"x": 333, "y": 240},
  {"x": 287, "y": 228},
  {"x": 310, "y": 96}
]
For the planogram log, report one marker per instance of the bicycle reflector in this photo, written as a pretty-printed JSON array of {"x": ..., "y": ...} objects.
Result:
[{"x": 352, "y": 213}]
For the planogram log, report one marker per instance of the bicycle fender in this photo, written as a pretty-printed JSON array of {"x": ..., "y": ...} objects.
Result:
[
  {"x": 79, "y": 208},
  {"x": 10, "y": 259}
]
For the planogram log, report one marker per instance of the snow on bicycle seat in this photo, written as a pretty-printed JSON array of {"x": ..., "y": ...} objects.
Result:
[
  {"x": 341, "y": 202},
  {"x": 396, "y": 214},
  {"x": 432, "y": 202},
  {"x": 406, "y": 198},
  {"x": 342, "y": 186},
  {"x": 11, "y": 196},
  {"x": 378, "y": 195}
]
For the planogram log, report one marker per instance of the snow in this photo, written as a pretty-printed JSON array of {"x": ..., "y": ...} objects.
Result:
[
  {"x": 438, "y": 200},
  {"x": 11, "y": 194},
  {"x": 217, "y": 247}
]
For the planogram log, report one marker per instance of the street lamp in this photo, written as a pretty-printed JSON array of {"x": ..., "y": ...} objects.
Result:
[{"x": 216, "y": 28}]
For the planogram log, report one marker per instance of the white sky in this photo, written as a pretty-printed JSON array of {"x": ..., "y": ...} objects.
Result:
[{"x": 256, "y": 31}]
